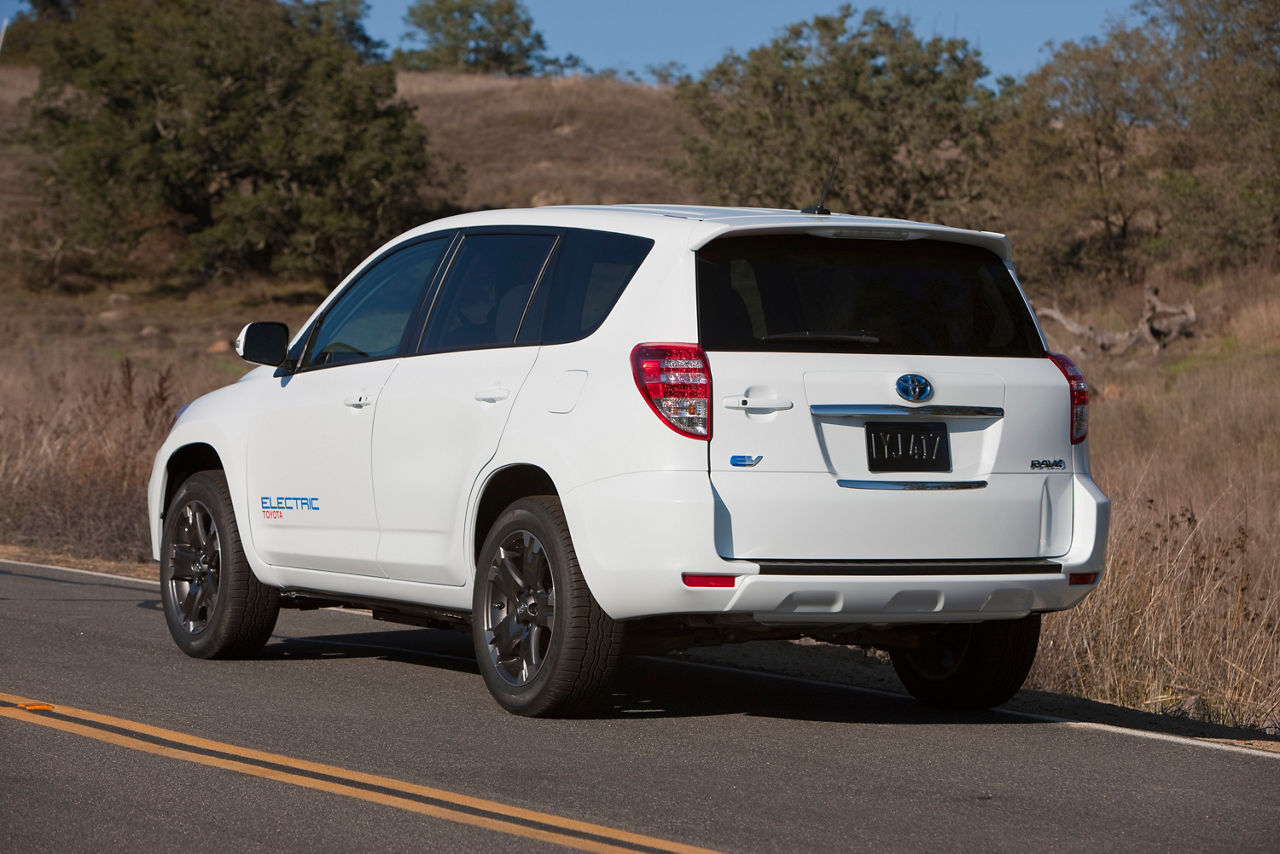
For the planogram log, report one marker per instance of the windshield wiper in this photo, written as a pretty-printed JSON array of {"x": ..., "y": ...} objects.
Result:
[{"x": 860, "y": 336}]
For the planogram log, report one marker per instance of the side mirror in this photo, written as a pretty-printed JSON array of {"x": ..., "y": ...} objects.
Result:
[{"x": 263, "y": 342}]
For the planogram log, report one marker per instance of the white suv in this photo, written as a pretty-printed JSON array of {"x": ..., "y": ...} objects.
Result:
[{"x": 582, "y": 428}]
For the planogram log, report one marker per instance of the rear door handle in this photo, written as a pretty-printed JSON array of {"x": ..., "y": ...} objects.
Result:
[
  {"x": 757, "y": 404},
  {"x": 358, "y": 400},
  {"x": 492, "y": 395}
]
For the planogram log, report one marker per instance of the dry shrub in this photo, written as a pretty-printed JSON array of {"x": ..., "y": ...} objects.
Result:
[{"x": 1186, "y": 447}]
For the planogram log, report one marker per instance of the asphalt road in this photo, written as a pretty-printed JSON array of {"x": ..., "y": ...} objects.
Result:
[{"x": 348, "y": 734}]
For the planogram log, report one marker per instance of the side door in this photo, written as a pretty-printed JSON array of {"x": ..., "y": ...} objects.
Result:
[
  {"x": 309, "y": 481},
  {"x": 442, "y": 413}
]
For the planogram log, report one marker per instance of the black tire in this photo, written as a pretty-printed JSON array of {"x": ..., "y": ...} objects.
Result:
[
  {"x": 539, "y": 662},
  {"x": 213, "y": 604},
  {"x": 969, "y": 666}
]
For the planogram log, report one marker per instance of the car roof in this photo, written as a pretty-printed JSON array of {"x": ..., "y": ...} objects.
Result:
[{"x": 703, "y": 224}]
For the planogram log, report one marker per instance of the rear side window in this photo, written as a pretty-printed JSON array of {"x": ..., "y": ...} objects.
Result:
[
  {"x": 844, "y": 295},
  {"x": 483, "y": 298},
  {"x": 589, "y": 273}
]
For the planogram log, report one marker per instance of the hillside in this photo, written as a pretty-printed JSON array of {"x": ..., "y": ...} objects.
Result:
[
  {"x": 1182, "y": 438},
  {"x": 516, "y": 142},
  {"x": 540, "y": 141},
  {"x": 16, "y": 83}
]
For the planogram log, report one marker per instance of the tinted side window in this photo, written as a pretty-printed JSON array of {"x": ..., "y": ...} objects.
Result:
[
  {"x": 368, "y": 320},
  {"x": 816, "y": 294},
  {"x": 483, "y": 298},
  {"x": 591, "y": 269}
]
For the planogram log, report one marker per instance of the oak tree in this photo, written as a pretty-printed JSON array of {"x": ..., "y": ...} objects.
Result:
[
  {"x": 220, "y": 135},
  {"x": 480, "y": 36},
  {"x": 906, "y": 118}
]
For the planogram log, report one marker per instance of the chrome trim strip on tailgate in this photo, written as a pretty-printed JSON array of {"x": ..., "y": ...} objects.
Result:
[
  {"x": 893, "y": 410},
  {"x": 911, "y": 484}
]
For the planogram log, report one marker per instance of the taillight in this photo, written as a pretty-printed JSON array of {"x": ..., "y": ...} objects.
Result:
[
  {"x": 675, "y": 380},
  {"x": 1079, "y": 397}
]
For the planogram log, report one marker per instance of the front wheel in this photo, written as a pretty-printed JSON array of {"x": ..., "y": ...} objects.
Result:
[
  {"x": 969, "y": 666},
  {"x": 544, "y": 645},
  {"x": 213, "y": 604}
]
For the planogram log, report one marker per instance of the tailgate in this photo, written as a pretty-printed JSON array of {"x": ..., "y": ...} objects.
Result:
[
  {"x": 800, "y": 470},
  {"x": 879, "y": 399}
]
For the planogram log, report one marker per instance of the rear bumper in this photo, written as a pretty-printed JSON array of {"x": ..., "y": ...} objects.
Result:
[
  {"x": 636, "y": 535},
  {"x": 900, "y": 599}
]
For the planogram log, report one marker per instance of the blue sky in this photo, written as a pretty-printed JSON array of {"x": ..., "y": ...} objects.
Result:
[
  {"x": 631, "y": 36},
  {"x": 697, "y": 33}
]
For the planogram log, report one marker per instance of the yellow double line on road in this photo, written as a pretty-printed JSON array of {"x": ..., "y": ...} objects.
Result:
[{"x": 425, "y": 800}]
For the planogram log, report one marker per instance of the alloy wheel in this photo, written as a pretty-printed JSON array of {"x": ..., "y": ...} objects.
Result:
[
  {"x": 195, "y": 563},
  {"x": 519, "y": 608}
]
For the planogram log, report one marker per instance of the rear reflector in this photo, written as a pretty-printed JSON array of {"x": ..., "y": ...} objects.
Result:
[
  {"x": 1082, "y": 577},
  {"x": 1079, "y": 397},
  {"x": 675, "y": 381},
  {"x": 694, "y": 580}
]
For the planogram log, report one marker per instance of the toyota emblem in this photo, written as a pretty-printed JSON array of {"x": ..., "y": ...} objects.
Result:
[{"x": 914, "y": 387}]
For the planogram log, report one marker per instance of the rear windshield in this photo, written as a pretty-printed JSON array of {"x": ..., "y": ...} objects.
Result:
[{"x": 822, "y": 294}]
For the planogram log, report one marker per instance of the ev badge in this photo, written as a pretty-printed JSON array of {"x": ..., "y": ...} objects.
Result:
[{"x": 914, "y": 387}]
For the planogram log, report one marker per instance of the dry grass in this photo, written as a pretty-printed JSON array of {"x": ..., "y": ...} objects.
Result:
[
  {"x": 571, "y": 140},
  {"x": 1186, "y": 447},
  {"x": 89, "y": 389},
  {"x": 68, "y": 468},
  {"x": 1184, "y": 443}
]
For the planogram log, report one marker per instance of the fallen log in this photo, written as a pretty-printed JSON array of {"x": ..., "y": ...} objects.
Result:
[{"x": 1159, "y": 324}]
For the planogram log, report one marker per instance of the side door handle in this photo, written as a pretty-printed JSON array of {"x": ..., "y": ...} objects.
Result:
[
  {"x": 757, "y": 404},
  {"x": 358, "y": 400},
  {"x": 492, "y": 395}
]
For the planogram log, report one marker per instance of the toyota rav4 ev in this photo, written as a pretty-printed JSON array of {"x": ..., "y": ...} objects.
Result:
[{"x": 584, "y": 431}]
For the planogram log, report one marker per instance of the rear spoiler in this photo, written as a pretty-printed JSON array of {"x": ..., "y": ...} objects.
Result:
[{"x": 843, "y": 226}]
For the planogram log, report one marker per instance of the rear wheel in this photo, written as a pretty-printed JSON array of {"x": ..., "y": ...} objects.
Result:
[
  {"x": 213, "y": 604},
  {"x": 969, "y": 666},
  {"x": 544, "y": 645}
]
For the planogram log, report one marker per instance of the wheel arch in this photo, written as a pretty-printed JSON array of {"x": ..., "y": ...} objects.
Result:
[
  {"x": 504, "y": 486},
  {"x": 184, "y": 462}
]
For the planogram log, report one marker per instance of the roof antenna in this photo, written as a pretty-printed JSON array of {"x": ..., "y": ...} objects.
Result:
[{"x": 826, "y": 190}]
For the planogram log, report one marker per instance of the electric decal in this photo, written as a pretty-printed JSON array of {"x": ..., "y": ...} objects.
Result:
[{"x": 275, "y": 508}]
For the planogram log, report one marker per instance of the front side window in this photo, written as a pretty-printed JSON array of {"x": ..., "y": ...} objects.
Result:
[
  {"x": 483, "y": 298},
  {"x": 368, "y": 320}
]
